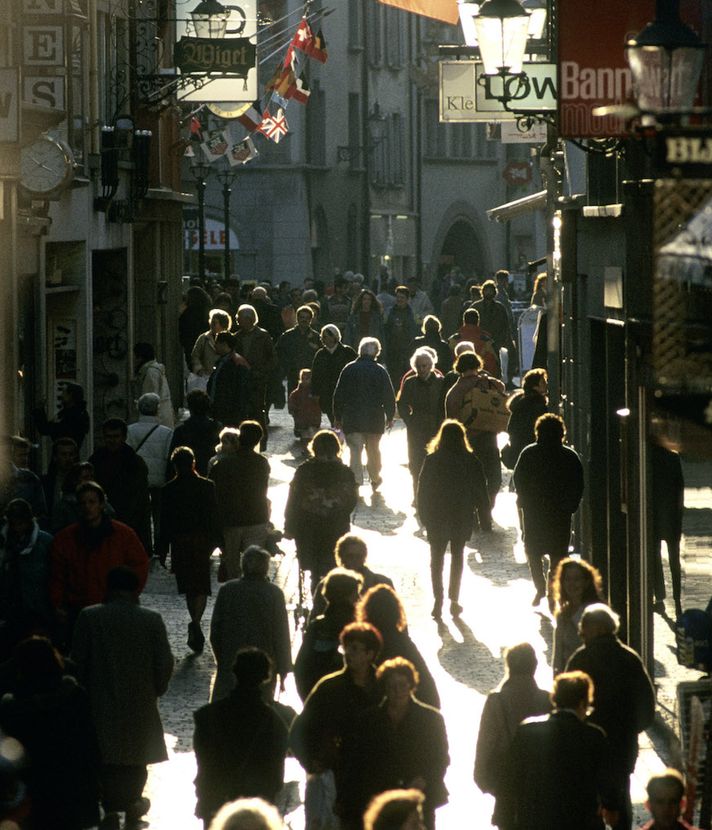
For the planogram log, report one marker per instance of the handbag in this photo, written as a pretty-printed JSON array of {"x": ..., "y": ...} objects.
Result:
[{"x": 484, "y": 408}]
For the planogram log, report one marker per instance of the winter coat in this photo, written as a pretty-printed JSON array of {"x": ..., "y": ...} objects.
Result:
[
  {"x": 304, "y": 407},
  {"x": 189, "y": 507},
  {"x": 379, "y": 755},
  {"x": 296, "y": 350},
  {"x": 70, "y": 422},
  {"x": 623, "y": 696},
  {"x": 154, "y": 449},
  {"x": 441, "y": 348},
  {"x": 483, "y": 343},
  {"x": 257, "y": 347},
  {"x": 400, "y": 331},
  {"x": 124, "y": 477},
  {"x": 494, "y": 320},
  {"x": 241, "y": 482},
  {"x": 80, "y": 561},
  {"x": 151, "y": 377},
  {"x": 450, "y": 488},
  {"x": 524, "y": 408},
  {"x": 24, "y": 577},
  {"x": 56, "y": 731},
  {"x": 326, "y": 369},
  {"x": 202, "y": 435},
  {"x": 248, "y": 612},
  {"x": 419, "y": 405},
  {"x": 124, "y": 661},
  {"x": 399, "y": 644},
  {"x": 364, "y": 399},
  {"x": 374, "y": 328},
  {"x": 204, "y": 356},
  {"x": 240, "y": 745},
  {"x": 319, "y": 653},
  {"x": 228, "y": 390}
]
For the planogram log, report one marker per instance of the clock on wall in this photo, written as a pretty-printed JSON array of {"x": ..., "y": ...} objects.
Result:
[{"x": 46, "y": 166}]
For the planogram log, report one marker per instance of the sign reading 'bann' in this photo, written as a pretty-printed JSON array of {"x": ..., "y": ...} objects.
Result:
[{"x": 592, "y": 67}]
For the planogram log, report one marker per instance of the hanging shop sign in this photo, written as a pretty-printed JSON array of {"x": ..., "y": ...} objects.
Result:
[
  {"x": 220, "y": 68},
  {"x": 9, "y": 106},
  {"x": 467, "y": 94},
  {"x": 684, "y": 153}
]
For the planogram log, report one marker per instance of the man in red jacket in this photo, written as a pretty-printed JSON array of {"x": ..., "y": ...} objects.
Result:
[{"x": 82, "y": 555}]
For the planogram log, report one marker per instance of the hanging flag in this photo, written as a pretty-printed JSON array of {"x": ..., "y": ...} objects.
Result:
[
  {"x": 300, "y": 91},
  {"x": 251, "y": 118},
  {"x": 242, "y": 152},
  {"x": 303, "y": 38},
  {"x": 275, "y": 127},
  {"x": 216, "y": 144},
  {"x": 282, "y": 80},
  {"x": 196, "y": 129},
  {"x": 444, "y": 10},
  {"x": 317, "y": 50}
]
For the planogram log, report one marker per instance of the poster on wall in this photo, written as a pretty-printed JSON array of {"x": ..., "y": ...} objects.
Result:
[{"x": 64, "y": 351}]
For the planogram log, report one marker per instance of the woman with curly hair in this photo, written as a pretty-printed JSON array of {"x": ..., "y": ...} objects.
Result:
[
  {"x": 575, "y": 586},
  {"x": 381, "y": 606},
  {"x": 365, "y": 320}
]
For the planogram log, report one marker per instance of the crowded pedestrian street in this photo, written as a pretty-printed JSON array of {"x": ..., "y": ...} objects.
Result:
[{"x": 463, "y": 654}]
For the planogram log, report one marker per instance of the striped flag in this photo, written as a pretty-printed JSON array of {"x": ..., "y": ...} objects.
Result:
[{"x": 251, "y": 118}]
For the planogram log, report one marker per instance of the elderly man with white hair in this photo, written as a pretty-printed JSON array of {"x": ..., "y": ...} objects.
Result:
[
  {"x": 247, "y": 814},
  {"x": 624, "y": 697},
  {"x": 327, "y": 366},
  {"x": 256, "y": 347},
  {"x": 364, "y": 407},
  {"x": 420, "y": 407}
]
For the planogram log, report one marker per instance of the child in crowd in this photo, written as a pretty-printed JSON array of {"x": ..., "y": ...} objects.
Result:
[
  {"x": 304, "y": 408},
  {"x": 666, "y": 801}
]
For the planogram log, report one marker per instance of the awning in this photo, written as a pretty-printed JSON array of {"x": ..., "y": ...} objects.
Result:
[{"x": 510, "y": 210}]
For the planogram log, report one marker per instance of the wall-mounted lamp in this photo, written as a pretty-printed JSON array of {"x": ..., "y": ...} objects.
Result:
[
  {"x": 210, "y": 19},
  {"x": 502, "y": 30}
]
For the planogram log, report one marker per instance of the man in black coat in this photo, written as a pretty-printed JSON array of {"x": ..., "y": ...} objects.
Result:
[
  {"x": 548, "y": 478},
  {"x": 328, "y": 363},
  {"x": 240, "y": 741},
  {"x": 227, "y": 385},
  {"x": 557, "y": 766},
  {"x": 624, "y": 698},
  {"x": 297, "y": 346},
  {"x": 199, "y": 432}
]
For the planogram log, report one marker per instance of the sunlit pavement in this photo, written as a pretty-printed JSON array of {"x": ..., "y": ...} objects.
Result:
[{"x": 464, "y": 655}]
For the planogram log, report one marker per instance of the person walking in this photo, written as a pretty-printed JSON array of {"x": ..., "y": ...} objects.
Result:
[
  {"x": 365, "y": 319},
  {"x": 72, "y": 420},
  {"x": 328, "y": 363},
  {"x": 199, "y": 431},
  {"x": 204, "y": 355},
  {"x": 451, "y": 487},
  {"x": 431, "y": 336},
  {"x": 420, "y": 407},
  {"x": 525, "y": 405},
  {"x": 191, "y": 529},
  {"x": 151, "y": 440},
  {"x": 228, "y": 383},
  {"x": 322, "y": 496},
  {"x": 516, "y": 698},
  {"x": 240, "y": 741},
  {"x": 400, "y": 330},
  {"x": 623, "y": 698},
  {"x": 241, "y": 484},
  {"x": 548, "y": 478},
  {"x": 364, "y": 407},
  {"x": 250, "y": 611},
  {"x": 257, "y": 347},
  {"x": 150, "y": 376},
  {"x": 124, "y": 661},
  {"x": 297, "y": 346}
]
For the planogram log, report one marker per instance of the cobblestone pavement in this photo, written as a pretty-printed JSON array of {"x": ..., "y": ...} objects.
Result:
[{"x": 464, "y": 655}]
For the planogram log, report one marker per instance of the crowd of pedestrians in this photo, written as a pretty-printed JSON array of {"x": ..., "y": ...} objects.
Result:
[{"x": 84, "y": 664}]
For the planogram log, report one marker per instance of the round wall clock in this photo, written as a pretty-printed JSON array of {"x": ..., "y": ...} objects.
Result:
[
  {"x": 46, "y": 166},
  {"x": 228, "y": 110}
]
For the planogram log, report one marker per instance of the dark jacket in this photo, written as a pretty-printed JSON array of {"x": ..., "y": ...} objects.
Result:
[
  {"x": 70, "y": 422},
  {"x": 319, "y": 653},
  {"x": 419, "y": 405},
  {"x": 202, "y": 435},
  {"x": 493, "y": 319},
  {"x": 257, "y": 347},
  {"x": 525, "y": 408},
  {"x": 557, "y": 775},
  {"x": 364, "y": 398},
  {"x": 189, "y": 507},
  {"x": 241, "y": 481},
  {"x": 624, "y": 698},
  {"x": 325, "y": 373},
  {"x": 399, "y": 644},
  {"x": 353, "y": 333},
  {"x": 317, "y": 733},
  {"x": 450, "y": 488},
  {"x": 24, "y": 577},
  {"x": 124, "y": 477},
  {"x": 442, "y": 350},
  {"x": 240, "y": 745},
  {"x": 379, "y": 755},
  {"x": 400, "y": 331},
  {"x": 227, "y": 388},
  {"x": 296, "y": 351}
]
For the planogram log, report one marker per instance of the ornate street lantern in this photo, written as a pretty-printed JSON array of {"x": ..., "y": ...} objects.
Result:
[
  {"x": 665, "y": 59},
  {"x": 210, "y": 19},
  {"x": 468, "y": 12},
  {"x": 537, "y": 17},
  {"x": 502, "y": 30}
]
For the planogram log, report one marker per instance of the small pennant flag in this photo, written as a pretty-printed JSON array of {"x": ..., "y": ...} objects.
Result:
[
  {"x": 242, "y": 152},
  {"x": 216, "y": 145},
  {"x": 300, "y": 91},
  {"x": 281, "y": 81},
  {"x": 275, "y": 127},
  {"x": 303, "y": 37},
  {"x": 196, "y": 129},
  {"x": 317, "y": 49},
  {"x": 251, "y": 118}
]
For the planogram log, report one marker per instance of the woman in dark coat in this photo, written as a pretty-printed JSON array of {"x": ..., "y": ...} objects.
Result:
[
  {"x": 319, "y": 653},
  {"x": 365, "y": 320},
  {"x": 382, "y": 607},
  {"x": 327, "y": 366},
  {"x": 398, "y": 744},
  {"x": 193, "y": 320},
  {"x": 72, "y": 420},
  {"x": 240, "y": 741},
  {"x": 322, "y": 496},
  {"x": 190, "y": 526},
  {"x": 49, "y": 714},
  {"x": 451, "y": 487},
  {"x": 525, "y": 406}
]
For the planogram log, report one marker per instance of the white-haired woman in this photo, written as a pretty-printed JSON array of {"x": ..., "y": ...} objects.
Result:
[
  {"x": 420, "y": 407},
  {"x": 327, "y": 366}
]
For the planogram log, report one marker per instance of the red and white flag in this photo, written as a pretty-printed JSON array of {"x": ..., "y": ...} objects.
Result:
[
  {"x": 275, "y": 127},
  {"x": 303, "y": 38},
  {"x": 251, "y": 118},
  {"x": 299, "y": 91},
  {"x": 317, "y": 50}
]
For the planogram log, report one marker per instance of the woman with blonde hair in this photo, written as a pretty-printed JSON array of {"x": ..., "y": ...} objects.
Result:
[{"x": 576, "y": 585}]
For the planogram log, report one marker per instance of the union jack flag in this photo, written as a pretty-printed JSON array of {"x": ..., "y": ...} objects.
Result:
[{"x": 275, "y": 127}]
